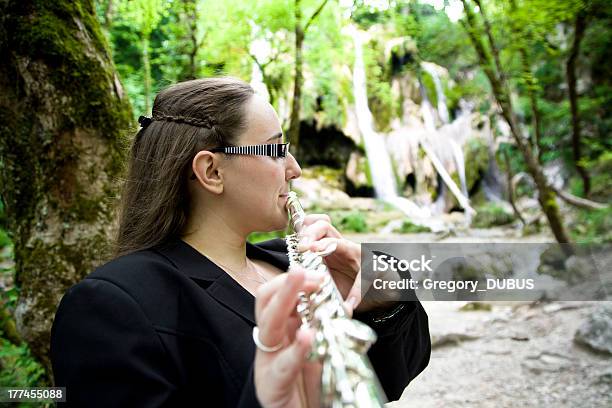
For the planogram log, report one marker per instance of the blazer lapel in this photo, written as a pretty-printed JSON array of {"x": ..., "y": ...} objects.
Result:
[{"x": 215, "y": 280}]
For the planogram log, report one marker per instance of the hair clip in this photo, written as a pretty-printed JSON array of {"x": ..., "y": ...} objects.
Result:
[{"x": 144, "y": 121}]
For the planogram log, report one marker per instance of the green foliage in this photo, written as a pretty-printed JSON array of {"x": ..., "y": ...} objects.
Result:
[
  {"x": 593, "y": 226},
  {"x": 380, "y": 99},
  {"x": 476, "y": 159},
  {"x": 324, "y": 54},
  {"x": 256, "y": 237},
  {"x": 354, "y": 221},
  {"x": 490, "y": 215},
  {"x": 430, "y": 88},
  {"x": 4, "y": 237},
  {"x": 18, "y": 368},
  {"x": 408, "y": 227},
  {"x": 223, "y": 33},
  {"x": 601, "y": 182}
]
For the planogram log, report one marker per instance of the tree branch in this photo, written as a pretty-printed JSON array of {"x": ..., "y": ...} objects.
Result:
[
  {"x": 579, "y": 201},
  {"x": 314, "y": 15}
]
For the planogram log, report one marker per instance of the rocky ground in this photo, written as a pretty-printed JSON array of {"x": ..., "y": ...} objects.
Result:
[{"x": 513, "y": 354}]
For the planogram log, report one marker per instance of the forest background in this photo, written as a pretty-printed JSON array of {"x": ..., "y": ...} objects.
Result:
[{"x": 534, "y": 75}]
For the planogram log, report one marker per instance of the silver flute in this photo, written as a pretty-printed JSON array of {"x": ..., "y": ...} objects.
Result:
[{"x": 340, "y": 343}]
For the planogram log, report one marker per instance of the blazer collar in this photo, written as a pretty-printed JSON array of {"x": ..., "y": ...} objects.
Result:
[{"x": 216, "y": 281}]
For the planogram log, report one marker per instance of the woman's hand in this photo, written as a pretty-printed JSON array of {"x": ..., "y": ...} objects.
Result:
[
  {"x": 284, "y": 378},
  {"x": 344, "y": 263}
]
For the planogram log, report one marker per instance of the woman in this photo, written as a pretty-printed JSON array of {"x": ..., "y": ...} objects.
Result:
[{"x": 170, "y": 320}]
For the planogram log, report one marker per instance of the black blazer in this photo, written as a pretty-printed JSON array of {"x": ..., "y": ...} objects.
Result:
[{"x": 167, "y": 327}]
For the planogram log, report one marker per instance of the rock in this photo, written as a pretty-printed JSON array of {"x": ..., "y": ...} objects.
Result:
[
  {"x": 357, "y": 181},
  {"x": 451, "y": 339},
  {"x": 477, "y": 161},
  {"x": 556, "y": 307},
  {"x": 596, "y": 332},
  {"x": 552, "y": 262},
  {"x": 476, "y": 306},
  {"x": 325, "y": 146},
  {"x": 579, "y": 267},
  {"x": 605, "y": 377},
  {"x": 493, "y": 214},
  {"x": 316, "y": 193},
  {"x": 547, "y": 362}
]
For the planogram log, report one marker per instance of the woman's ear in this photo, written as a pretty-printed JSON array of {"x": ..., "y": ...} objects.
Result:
[{"x": 206, "y": 167}]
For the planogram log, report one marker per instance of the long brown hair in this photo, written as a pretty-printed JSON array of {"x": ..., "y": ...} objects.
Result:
[{"x": 187, "y": 117}]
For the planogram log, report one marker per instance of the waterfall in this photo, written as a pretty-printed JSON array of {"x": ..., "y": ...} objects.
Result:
[
  {"x": 378, "y": 157},
  {"x": 442, "y": 108},
  {"x": 427, "y": 110},
  {"x": 444, "y": 142},
  {"x": 383, "y": 178}
]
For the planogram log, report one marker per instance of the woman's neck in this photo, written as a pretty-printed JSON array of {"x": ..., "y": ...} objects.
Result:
[{"x": 215, "y": 238}]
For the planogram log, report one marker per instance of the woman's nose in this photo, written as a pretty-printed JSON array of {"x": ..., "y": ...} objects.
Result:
[{"x": 292, "y": 169}]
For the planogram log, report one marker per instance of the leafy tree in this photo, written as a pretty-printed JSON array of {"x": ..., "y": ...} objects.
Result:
[
  {"x": 144, "y": 16},
  {"x": 301, "y": 29}
]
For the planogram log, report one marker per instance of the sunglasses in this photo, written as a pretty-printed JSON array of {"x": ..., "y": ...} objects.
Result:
[{"x": 270, "y": 150}]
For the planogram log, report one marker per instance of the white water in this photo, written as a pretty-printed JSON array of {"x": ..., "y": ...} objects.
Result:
[
  {"x": 378, "y": 157},
  {"x": 383, "y": 178},
  {"x": 442, "y": 108},
  {"x": 427, "y": 110},
  {"x": 444, "y": 143}
]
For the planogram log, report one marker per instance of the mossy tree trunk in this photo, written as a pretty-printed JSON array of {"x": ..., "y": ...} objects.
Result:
[{"x": 63, "y": 117}]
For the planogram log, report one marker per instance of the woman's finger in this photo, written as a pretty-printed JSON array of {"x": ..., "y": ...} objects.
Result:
[
  {"x": 314, "y": 232},
  {"x": 272, "y": 317},
  {"x": 266, "y": 291},
  {"x": 312, "y": 218}
]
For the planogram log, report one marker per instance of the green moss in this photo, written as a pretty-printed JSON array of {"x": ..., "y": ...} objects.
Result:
[
  {"x": 408, "y": 227},
  {"x": 430, "y": 88},
  {"x": 476, "y": 160},
  {"x": 368, "y": 172},
  {"x": 475, "y": 307},
  {"x": 398, "y": 180},
  {"x": 4, "y": 238},
  {"x": 380, "y": 98},
  {"x": 491, "y": 214},
  {"x": 353, "y": 222},
  {"x": 52, "y": 35}
]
